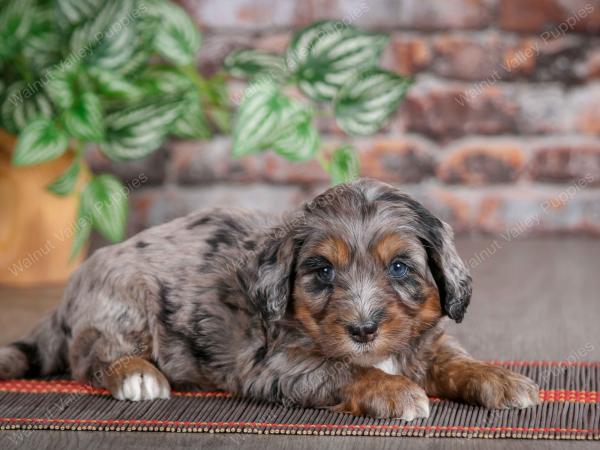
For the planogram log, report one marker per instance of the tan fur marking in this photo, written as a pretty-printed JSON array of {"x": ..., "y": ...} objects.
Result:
[
  {"x": 388, "y": 247},
  {"x": 335, "y": 250}
]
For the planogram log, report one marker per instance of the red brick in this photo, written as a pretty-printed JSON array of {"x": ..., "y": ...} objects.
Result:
[
  {"x": 482, "y": 161},
  {"x": 406, "y": 159},
  {"x": 468, "y": 57},
  {"x": 446, "y": 14},
  {"x": 249, "y": 14},
  {"x": 153, "y": 207},
  {"x": 566, "y": 159},
  {"x": 208, "y": 162},
  {"x": 522, "y": 211},
  {"x": 197, "y": 162},
  {"x": 590, "y": 67},
  {"x": 407, "y": 54},
  {"x": 152, "y": 168},
  {"x": 445, "y": 110},
  {"x": 552, "y": 17},
  {"x": 543, "y": 108},
  {"x": 585, "y": 104}
]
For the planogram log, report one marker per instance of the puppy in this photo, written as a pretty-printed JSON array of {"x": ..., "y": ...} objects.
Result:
[{"x": 338, "y": 305}]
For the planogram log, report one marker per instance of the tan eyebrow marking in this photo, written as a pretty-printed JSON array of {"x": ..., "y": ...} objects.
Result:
[
  {"x": 389, "y": 246},
  {"x": 336, "y": 250}
]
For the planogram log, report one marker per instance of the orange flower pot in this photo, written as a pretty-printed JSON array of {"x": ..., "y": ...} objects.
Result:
[{"x": 37, "y": 227}]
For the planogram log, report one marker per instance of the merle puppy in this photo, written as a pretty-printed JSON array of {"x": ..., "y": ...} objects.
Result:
[{"x": 339, "y": 305}]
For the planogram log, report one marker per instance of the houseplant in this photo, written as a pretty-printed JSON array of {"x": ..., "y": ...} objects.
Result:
[
  {"x": 117, "y": 74},
  {"x": 335, "y": 66}
]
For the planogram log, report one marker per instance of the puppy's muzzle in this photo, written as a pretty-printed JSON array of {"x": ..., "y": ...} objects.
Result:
[{"x": 364, "y": 332}]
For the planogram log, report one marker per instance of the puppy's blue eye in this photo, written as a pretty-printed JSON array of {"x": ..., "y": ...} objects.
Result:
[
  {"x": 326, "y": 274},
  {"x": 398, "y": 269}
]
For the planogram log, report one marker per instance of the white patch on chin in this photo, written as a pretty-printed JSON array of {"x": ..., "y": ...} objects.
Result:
[{"x": 388, "y": 366}]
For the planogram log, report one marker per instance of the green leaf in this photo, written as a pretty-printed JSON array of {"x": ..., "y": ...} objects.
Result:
[
  {"x": 300, "y": 144},
  {"x": 61, "y": 83},
  {"x": 113, "y": 84},
  {"x": 22, "y": 104},
  {"x": 65, "y": 183},
  {"x": 177, "y": 38},
  {"x": 101, "y": 30},
  {"x": 136, "y": 131},
  {"x": 84, "y": 120},
  {"x": 16, "y": 19},
  {"x": 192, "y": 123},
  {"x": 83, "y": 229},
  {"x": 105, "y": 200},
  {"x": 366, "y": 102},
  {"x": 259, "y": 118},
  {"x": 77, "y": 11},
  {"x": 325, "y": 55},
  {"x": 344, "y": 165},
  {"x": 166, "y": 81},
  {"x": 248, "y": 63},
  {"x": 40, "y": 141}
]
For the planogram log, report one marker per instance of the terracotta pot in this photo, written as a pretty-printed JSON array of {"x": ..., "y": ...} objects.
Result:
[{"x": 36, "y": 227}]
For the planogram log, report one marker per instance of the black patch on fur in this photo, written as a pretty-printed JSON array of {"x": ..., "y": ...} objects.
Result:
[
  {"x": 230, "y": 223},
  {"x": 260, "y": 355},
  {"x": 250, "y": 245},
  {"x": 221, "y": 237},
  {"x": 275, "y": 389},
  {"x": 141, "y": 244},
  {"x": 191, "y": 340},
  {"x": 32, "y": 353},
  {"x": 66, "y": 329},
  {"x": 202, "y": 221}
]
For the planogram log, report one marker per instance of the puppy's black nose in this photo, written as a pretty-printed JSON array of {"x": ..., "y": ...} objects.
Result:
[{"x": 364, "y": 332}]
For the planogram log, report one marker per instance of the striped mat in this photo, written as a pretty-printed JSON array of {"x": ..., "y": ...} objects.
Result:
[{"x": 570, "y": 410}]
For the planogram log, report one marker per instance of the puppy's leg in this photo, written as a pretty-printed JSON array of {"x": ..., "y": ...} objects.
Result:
[
  {"x": 117, "y": 364},
  {"x": 374, "y": 393},
  {"x": 453, "y": 374}
]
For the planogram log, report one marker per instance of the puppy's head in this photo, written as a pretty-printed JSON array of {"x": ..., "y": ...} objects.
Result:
[{"x": 365, "y": 270}]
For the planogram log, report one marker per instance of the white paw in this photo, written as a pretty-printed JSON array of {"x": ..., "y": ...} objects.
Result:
[
  {"x": 143, "y": 386},
  {"x": 417, "y": 408}
]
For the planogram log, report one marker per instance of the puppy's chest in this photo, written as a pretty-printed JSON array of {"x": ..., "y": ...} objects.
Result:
[{"x": 389, "y": 366}]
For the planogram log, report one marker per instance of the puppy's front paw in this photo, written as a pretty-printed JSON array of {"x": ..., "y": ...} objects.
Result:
[
  {"x": 137, "y": 380},
  {"x": 497, "y": 388},
  {"x": 378, "y": 394}
]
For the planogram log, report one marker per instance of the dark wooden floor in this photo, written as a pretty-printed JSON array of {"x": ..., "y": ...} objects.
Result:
[{"x": 533, "y": 299}]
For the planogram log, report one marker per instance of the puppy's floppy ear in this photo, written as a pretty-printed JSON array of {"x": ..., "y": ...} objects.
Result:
[
  {"x": 271, "y": 288},
  {"x": 449, "y": 272}
]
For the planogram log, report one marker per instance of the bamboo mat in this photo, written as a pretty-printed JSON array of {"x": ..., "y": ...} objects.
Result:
[{"x": 569, "y": 391}]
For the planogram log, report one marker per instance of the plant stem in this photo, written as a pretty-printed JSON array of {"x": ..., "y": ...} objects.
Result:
[
  {"x": 322, "y": 160},
  {"x": 199, "y": 81}
]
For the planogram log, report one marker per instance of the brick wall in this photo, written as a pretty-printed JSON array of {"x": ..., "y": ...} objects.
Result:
[{"x": 500, "y": 133}]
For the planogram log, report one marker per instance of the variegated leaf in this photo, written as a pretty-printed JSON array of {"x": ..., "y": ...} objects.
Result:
[
  {"x": 113, "y": 84},
  {"x": 105, "y": 200},
  {"x": 40, "y": 141},
  {"x": 248, "y": 63},
  {"x": 22, "y": 104},
  {"x": 344, "y": 165},
  {"x": 65, "y": 183},
  {"x": 366, "y": 102},
  {"x": 300, "y": 144},
  {"x": 177, "y": 37},
  {"x": 139, "y": 130},
  {"x": 259, "y": 118},
  {"x": 192, "y": 123},
  {"x": 84, "y": 119},
  {"x": 77, "y": 11},
  {"x": 325, "y": 55}
]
